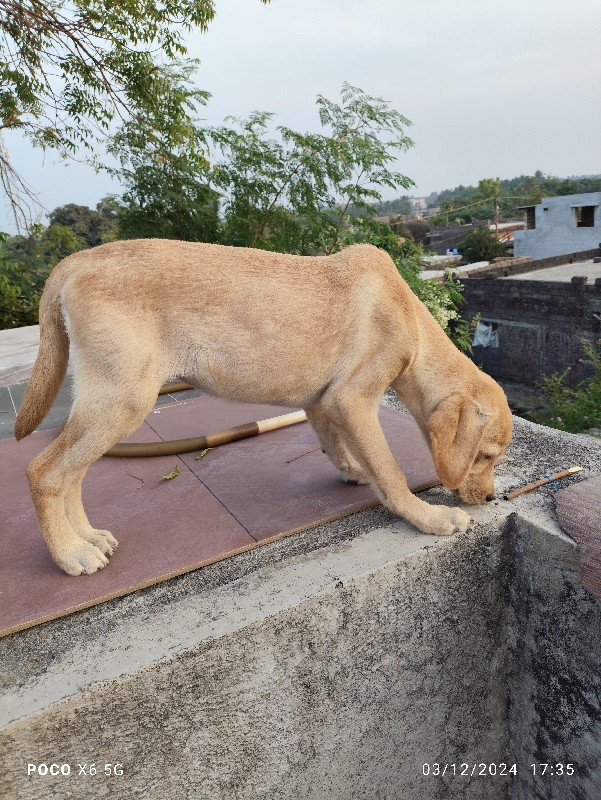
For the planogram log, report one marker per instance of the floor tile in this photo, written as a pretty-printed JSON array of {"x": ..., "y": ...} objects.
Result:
[
  {"x": 273, "y": 485},
  {"x": 164, "y": 528},
  {"x": 60, "y": 408},
  {"x": 235, "y": 496}
]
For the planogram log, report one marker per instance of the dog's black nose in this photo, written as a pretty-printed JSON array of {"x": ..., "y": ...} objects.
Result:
[{"x": 489, "y": 497}]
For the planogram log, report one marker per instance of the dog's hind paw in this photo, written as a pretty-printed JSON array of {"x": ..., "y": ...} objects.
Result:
[
  {"x": 444, "y": 521},
  {"x": 103, "y": 540}
]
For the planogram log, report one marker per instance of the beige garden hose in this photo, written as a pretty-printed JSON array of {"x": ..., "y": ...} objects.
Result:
[{"x": 145, "y": 449}]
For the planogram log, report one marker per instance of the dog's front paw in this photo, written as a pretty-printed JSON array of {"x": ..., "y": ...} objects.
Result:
[
  {"x": 103, "y": 540},
  {"x": 80, "y": 557},
  {"x": 444, "y": 521}
]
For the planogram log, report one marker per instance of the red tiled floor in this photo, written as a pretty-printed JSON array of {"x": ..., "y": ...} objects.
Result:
[
  {"x": 164, "y": 528},
  {"x": 234, "y": 497},
  {"x": 270, "y": 496}
]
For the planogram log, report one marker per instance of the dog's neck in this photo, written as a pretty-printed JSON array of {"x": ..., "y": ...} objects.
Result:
[{"x": 434, "y": 374}]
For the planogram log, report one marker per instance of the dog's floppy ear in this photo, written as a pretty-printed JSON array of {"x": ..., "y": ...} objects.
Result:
[{"x": 455, "y": 426}]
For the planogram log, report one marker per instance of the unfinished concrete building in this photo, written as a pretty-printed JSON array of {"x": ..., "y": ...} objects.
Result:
[{"x": 560, "y": 225}]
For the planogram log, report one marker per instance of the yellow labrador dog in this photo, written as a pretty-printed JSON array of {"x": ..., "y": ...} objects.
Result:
[{"x": 328, "y": 334}]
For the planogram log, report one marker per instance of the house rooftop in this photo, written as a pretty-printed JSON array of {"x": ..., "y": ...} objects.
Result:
[{"x": 563, "y": 273}]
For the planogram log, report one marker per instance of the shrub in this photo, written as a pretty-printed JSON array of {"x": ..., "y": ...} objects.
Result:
[
  {"x": 481, "y": 245},
  {"x": 576, "y": 408},
  {"x": 25, "y": 263}
]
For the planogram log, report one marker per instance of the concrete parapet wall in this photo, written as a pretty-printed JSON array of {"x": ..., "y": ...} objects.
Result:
[
  {"x": 523, "y": 264},
  {"x": 335, "y": 663},
  {"x": 553, "y": 633},
  {"x": 346, "y": 669}
]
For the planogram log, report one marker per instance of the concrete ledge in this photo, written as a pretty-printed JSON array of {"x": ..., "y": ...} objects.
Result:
[
  {"x": 520, "y": 265},
  {"x": 336, "y": 662},
  {"x": 18, "y": 352},
  {"x": 328, "y": 670}
]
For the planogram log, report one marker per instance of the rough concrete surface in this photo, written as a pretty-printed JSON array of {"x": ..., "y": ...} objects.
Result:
[
  {"x": 18, "y": 351},
  {"x": 334, "y": 663},
  {"x": 563, "y": 273}
]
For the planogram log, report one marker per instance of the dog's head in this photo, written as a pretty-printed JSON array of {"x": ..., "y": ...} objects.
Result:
[{"x": 468, "y": 432}]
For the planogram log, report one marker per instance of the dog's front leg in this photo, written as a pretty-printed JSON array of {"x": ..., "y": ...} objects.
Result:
[{"x": 360, "y": 428}]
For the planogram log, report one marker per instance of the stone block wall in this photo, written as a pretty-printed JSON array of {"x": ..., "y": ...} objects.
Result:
[{"x": 540, "y": 324}]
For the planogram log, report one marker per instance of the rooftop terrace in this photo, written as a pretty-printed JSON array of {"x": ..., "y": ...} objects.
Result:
[{"x": 344, "y": 660}]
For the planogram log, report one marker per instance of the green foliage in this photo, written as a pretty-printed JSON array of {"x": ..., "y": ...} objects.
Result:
[
  {"x": 481, "y": 245},
  {"x": 489, "y": 188},
  {"x": 67, "y": 69},
  {"x": 90, "y": 226},
  {"x": 280, "y": 190},
  {"x": 164, "y": 166},
  {"x": 574, "y": 408},
  {"x": 25, "y": 263},
  {"x": 461, "y": 331},
  {"x": 295, "y": 191}
]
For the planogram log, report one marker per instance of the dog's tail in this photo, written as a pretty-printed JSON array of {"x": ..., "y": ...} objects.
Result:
[{"x": 51, "y": 363}]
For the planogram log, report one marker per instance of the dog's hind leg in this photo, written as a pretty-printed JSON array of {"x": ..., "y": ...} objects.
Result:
[
  {"x": 333, "y": 446},
  {"x": 98, "y": 419}
]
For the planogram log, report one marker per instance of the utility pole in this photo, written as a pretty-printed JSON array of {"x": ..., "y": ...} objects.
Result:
[{"x": 497, "y": 217}]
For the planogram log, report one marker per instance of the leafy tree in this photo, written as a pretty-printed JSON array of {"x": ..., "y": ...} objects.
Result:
[
  {"x": 108, "y": 213},
  {"x": 67, "y": 69},
  {"x": 91, "y": 226},
  {"x": 533, "y": 187},
  {"x": 25, "y": 262},
  {"x": 164, "y": 166},
  {"x": 80, "y": 219},
  {"x": 489, "y": 190},
  {"x": 295, "y": 192},
  {"x": 481, "y": 245}
]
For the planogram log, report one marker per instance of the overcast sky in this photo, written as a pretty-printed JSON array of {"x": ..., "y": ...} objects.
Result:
[{"x": 494, "y": 88}]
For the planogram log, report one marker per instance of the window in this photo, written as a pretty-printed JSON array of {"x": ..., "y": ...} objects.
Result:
[
  {"x": 585, "y": 216},
  {"x": 530, "y": 218}
]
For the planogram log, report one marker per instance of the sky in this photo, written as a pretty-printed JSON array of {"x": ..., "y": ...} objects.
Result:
[{"x": 494, "y": 88}]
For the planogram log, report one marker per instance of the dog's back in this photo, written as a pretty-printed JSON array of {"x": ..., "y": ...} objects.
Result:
[{"x": 200, "y": 309}]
